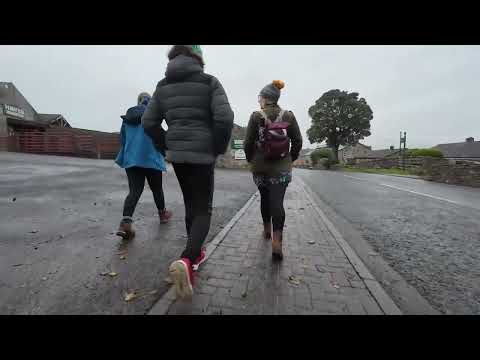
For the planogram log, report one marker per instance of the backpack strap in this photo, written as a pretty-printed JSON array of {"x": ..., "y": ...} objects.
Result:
[
  {"x": 280, "y": 115},
  {"x": 265, "y": 117},
  {"x": 267, "y": 120}
]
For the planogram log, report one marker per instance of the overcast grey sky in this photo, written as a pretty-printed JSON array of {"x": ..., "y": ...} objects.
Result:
[{"x": 429, "y": 91}]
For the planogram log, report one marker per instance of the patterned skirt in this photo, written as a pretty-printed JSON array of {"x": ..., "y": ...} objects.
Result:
[{"x": 262, "y": 180}]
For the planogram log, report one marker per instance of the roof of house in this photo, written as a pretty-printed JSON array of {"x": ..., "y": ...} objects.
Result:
[
  {"x": 460, "y": 150},
  {"x": 306, "y": 152},
  {"x": 47, "y": 119},
  {"x": 348, "y": 146}
]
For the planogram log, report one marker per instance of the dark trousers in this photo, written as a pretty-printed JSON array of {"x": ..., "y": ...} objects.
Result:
[
  {"x": 136, "y": 182},
  {"x": 197, "y": 183},
  {"x": 271, "y": 205}
]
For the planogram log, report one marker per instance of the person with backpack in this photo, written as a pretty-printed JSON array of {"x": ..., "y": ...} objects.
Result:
[
  {"x": 272, "y": 143},
  {"x": 142, "y": 159},
  {"x": 200, "y": 121}
]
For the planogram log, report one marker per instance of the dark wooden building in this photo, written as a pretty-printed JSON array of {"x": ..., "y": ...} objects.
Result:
[{"x": 18, "y": 115}]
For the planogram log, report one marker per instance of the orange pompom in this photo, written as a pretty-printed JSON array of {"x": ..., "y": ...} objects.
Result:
[{"x": 279, "y": 84}]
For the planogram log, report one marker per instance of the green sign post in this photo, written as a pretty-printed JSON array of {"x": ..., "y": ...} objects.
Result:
[{"x": 237, "y": 144}]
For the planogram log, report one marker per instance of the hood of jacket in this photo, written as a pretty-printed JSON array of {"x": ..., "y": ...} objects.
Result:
[
  {"x": 182, "y": 67},
  {"x": 134, "y": 115}
]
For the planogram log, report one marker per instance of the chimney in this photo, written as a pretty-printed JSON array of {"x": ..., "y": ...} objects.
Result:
[{"x": 470, "y": 139}]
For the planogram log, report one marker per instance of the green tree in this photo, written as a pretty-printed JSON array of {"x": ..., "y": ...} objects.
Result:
[{"x": 340, "y": 118}]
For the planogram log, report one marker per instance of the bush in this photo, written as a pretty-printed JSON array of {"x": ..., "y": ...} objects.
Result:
[
  {"x": 321, "y": 154},
  {"x": 424, "y": 152}
]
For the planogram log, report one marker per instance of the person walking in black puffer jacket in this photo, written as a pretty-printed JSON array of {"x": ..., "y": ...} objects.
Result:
[{"x": 200, "y": 122}]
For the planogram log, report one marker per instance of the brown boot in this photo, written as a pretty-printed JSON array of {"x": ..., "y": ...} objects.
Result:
[
  {"x": 125, "y": 230},
  {"x": 267, "y": 231},
  {"x": 165, "y": 216},
  {"x": 277, "y": 253}
]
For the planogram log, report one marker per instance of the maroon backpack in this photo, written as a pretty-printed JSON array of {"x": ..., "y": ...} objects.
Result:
[{"x": 273, "y": 138}]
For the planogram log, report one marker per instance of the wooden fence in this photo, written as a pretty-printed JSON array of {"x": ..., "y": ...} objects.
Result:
[{"x": 66, "y": 142}]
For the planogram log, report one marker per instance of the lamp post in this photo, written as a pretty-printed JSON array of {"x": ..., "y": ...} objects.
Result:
[{"x": 403, "y": 140}]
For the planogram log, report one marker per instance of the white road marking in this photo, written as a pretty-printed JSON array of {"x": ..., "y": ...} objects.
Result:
[
  {"x": 406, "y": 190},
  {"x": 353, "y": 177},
  {"x": 422, "y": 194}
]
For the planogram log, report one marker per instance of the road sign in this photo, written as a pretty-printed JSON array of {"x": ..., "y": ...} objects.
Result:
[
  {"x": 237, "y": 144},
  {"x": 240, "y": 155}
]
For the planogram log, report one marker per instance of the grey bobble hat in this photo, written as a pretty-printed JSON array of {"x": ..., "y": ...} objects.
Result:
[
  {"x": 272, "y": 90},
  {"x": 141, "y": 97}
]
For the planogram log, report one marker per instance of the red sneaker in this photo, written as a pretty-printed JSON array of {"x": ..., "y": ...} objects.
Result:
[
  {"x": 199, "y": 260},
  {"x": 165, "y": 216},
  {"x": 183, "y": 278}
]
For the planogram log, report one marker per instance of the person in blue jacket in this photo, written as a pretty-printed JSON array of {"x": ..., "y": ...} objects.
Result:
[{"x": 142, "y": 159}]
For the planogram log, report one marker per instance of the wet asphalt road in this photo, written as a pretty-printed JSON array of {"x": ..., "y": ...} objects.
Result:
[
  {"x": 428, "y": 232},
  {"x": 58, "y": 217}
]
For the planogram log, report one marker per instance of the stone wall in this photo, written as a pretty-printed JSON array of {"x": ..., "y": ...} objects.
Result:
[
  {"x": 227, "y": 161},
  {"x": 414, "y": 164},
  {"x": 458, "y": 172}
]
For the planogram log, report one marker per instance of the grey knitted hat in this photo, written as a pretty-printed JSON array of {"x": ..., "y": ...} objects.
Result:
[
  {"x": 272, "y": 90},
  {"x": 141, "y": 97}
]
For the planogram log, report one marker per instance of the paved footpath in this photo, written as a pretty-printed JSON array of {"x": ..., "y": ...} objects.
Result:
[{"x": 320, "y": 274}]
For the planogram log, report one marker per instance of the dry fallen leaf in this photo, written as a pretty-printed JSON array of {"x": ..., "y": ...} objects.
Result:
[
  {"x": 130, "y": 296},
  {"x": 293, "y": 280}
]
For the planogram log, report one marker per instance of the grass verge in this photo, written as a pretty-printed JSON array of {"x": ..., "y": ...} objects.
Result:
[{"x": 392, "y": 171}]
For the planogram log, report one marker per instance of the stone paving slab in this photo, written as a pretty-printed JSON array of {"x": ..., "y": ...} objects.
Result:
[{"x": 316, "y": 276}]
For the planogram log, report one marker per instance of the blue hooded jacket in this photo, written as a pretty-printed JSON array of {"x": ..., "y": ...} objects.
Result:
[{"x": 137, "y": 148}]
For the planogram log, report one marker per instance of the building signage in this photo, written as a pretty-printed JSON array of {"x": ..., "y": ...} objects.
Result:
[
  {"x": 240, "y": 155},
  {"x": 14, "y": 111}
]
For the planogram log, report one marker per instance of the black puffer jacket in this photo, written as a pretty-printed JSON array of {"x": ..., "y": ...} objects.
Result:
[{"x": 197, "y": 112}]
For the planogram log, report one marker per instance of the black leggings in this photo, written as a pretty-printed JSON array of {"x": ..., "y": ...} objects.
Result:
[
  {"x": 197, "y": 183},
  {"x": 271, "y": 205},
  {"x": 136, "y": 182}
]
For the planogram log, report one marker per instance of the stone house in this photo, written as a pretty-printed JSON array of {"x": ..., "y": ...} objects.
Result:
[
  {"x": 353, "y": 151},
  {"x": 304, "y": 159},
  {"x": 467, "y": 150}
]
